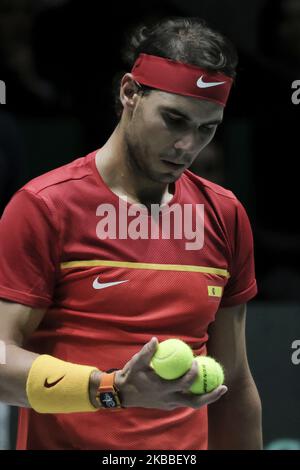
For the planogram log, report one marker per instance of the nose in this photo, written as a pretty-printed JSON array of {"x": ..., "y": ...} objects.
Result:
[{"x": 187, "y": 143}]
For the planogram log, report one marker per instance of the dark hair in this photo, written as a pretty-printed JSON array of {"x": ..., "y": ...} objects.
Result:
[{"x": 186, "y": 39}]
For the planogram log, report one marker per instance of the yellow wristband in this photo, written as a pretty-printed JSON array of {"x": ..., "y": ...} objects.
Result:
[{"x": 56, "y": 386}]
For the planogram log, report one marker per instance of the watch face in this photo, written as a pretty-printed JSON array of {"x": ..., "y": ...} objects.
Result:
[{"x": 108, "y": 400}]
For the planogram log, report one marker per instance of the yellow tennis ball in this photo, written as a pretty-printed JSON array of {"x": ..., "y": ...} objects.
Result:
[
  {"x": 172, "y": 359},
  {"x": 210, "y": 375}
]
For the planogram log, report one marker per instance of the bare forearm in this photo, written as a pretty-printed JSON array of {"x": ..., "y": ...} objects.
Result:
[
  {"x": 235, "y": 421},
  {"x": 13, "y": 375}
]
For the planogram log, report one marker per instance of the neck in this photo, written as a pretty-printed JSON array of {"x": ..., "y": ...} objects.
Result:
[{"x": 114, "y": 165}]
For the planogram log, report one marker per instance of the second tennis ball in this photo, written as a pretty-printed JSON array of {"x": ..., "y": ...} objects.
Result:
[
  {"x": 172, "y": 359},
  {"x": 210, "y": 375}
]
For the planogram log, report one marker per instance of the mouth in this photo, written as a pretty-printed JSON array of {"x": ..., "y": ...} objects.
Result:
[{"x": 174, "y": 166}]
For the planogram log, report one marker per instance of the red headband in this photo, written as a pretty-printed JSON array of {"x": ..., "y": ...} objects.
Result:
[{"x": 183, "y": 79}]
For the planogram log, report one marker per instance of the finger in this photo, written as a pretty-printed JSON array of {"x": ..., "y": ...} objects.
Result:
[
  {"x": 197, "y": 401},
  {"x": 128, "y": 365},
  {"x": 211, "y": 397},
  {"x": 143, "y": 358},
  {"x": 186, "y": 381},
  {"x": 222, "y": 389}
]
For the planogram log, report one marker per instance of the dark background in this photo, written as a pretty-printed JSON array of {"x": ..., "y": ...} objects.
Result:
[{"x": 58, "y": 59}]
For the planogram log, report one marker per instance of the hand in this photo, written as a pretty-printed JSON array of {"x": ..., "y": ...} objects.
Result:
[{"x": 140, "y": 386}]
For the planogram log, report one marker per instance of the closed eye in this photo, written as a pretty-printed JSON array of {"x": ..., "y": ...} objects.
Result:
[
  {"x": 208, "y": 127},
  {"x": 178, "y": 121},
  {"x": 174, "y": 118},
  {"x": 181, "y": 122}
]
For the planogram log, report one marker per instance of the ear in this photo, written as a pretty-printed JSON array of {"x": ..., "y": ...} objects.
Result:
[{"x": 128, "y": 92}]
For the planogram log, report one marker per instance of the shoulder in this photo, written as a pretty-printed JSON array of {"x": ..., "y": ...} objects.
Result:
[
  {"x": 60, "y": 180},
  {"x": 223, "y": 209},
  {"x": 217, "y": 197},
  {"x": 207, "y": 186}
]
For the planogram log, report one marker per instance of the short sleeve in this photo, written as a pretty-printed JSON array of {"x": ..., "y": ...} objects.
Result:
[
  {"x": 29, "y": 251},
  {"x": 241, "y": 286}
]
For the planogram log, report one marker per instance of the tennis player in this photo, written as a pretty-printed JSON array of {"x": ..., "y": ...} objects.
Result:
[{"x": 88, "y": 288}]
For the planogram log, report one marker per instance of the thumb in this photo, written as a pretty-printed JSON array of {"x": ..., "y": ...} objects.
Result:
[{"x": 147, "y": 351}]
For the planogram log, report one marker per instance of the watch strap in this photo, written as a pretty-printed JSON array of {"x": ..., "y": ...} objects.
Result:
[{"x": 107, "y": 393}]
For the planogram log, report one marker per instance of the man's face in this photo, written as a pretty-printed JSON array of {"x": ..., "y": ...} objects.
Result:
[{"x": 166, "y": 132}]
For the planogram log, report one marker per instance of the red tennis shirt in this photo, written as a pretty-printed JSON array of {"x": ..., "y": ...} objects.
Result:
[{"x": 105, "y": 298}]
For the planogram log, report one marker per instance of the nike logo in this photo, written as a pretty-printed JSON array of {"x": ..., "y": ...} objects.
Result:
[
  {"x": 49, "y": 385},
  {"x": 103, "y": 285},
  {"x": 202, "y": 84}
]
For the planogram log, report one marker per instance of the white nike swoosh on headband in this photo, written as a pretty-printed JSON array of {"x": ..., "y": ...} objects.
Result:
[
  {"x": 202, "y": 84},
  {"x": 103, "y": 285}
]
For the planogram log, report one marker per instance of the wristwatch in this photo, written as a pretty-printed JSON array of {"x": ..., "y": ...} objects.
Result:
[{"x": 107, "y": 394}]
